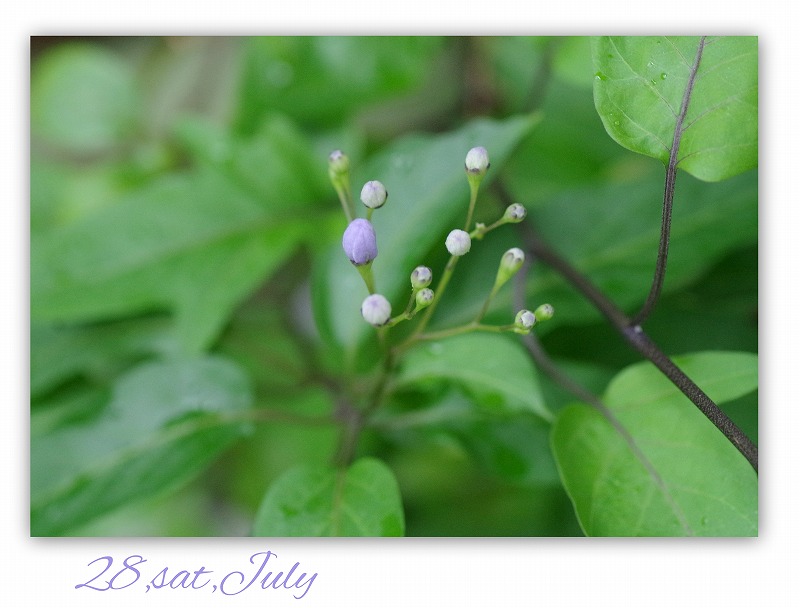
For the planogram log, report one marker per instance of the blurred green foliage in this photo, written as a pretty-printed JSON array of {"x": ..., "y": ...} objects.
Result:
[{"x": 194, "y": 324}]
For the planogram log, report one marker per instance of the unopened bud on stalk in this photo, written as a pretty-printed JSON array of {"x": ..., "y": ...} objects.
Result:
[
  {"x": 424, "y": 298},
  {"x": 515, "y": 214},
  {"x": 374, "y": 194},
  {"x": 421, "y": 277},
  {"x": 376, "y": 310},
  {"x": 458, "y": 242},
  {"x": 338, "y": 164},
  {"x": 359, "y": 242},
  {"x": 544, "y": 312},
  {"x": 524, "y": 321},
  {"x": 477, "y": 161},
  {"x": 510, "y": 263}
]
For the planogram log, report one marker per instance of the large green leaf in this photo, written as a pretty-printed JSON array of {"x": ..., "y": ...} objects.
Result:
[
  {"x": 59, "y": 354},
  {"x": 83, "y": 98},
  {"x": 428, "y": 196},
  {"x": 640, "y": 86},
  {"x": 321, "y": 79},
  {"x": 164, "y": 423},
  {"x": 513, "y": 446},
  {"x": 192, "y": 244},
  {"x": 684, "y": 479},
  {"x": 362, "y": 500},
  {"x": 494, "y": 370}
]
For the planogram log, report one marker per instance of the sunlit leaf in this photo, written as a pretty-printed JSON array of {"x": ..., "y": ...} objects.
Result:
[
  {"x": 684, "y": 478},
  {"x": 362, "y": 500},
  {"x": 640, "y": 85},
  {"x": 164, "y": 423}
]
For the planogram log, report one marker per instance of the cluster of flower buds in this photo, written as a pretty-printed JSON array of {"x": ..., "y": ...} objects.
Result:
[{"x": 359, "y": 242}]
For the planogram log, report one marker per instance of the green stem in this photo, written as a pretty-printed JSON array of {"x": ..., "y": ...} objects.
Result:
[
  {"x": 473, "y": 197},
  {"x": 366, "y": 273},
  {"x": 438, "y": 292},
  {"x": 346, "y": 199}
]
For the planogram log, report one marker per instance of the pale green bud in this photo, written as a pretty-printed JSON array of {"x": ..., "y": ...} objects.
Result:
[
  {"x": 458, "y": 242},
  {"x": 374, "y": 194},
  {"x": 338, "y": 164},
  {"x": 421, "y": 277},
  {"x": 424, "y": 298},
  {"x": 515, "y": 214},
  {"x": 544, "y": 312},
  {"x": 510, "y": 263}
]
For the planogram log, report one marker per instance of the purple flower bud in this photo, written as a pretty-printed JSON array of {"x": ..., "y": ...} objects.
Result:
[{"x": 359, "y": 242}]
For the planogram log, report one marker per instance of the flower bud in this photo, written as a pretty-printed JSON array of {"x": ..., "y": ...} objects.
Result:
[
  {"x": 359, "y": 242},
  {"x": 524, "y": 321},
  {"x": 458, "y": 242},
  {"x": 374, "y": 194},
  {"x": 424, "y": 298},
  {"x": 510, "y": 263},
  {"x": 544, "y": 312},
  {"x": 477, "y": 162},
  {"x": 376, "y": 310},
  {"x": 338, "y": 164},
  {"x": 515, "y": 213},
  {"x": 421, "y": 277}
]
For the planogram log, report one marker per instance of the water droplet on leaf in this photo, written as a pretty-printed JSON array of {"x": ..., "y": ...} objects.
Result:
[{"x": 663, "y": 75}]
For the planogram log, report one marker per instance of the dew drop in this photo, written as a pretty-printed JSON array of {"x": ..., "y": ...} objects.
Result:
[
  {"x": 600, "y": 76},
  {"x": 663, "y": 75},
  {"x": 616, "y": 123}
]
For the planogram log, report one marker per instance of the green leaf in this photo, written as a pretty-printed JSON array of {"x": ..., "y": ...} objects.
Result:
[
  {"x": 428, "y": 195},
  {"x": 275, "y": 165},
  {"x": 192, "y": 244},
  {"x": 322, "y": 79},
  {"x": 494, "y": 370},
  {"x": 83, "y": 98},
  {"x": 550, "y": 160},
  {"x": 639, "y": 89},
  {"x": 164, "y": 423},
  {"x": 687, "y": 479},
  {"x": 61, "y": 353},
  {"x": 363, "y": 500}
]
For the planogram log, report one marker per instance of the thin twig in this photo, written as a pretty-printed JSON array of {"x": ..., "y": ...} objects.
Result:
[
  {"x": 669, "y": 195},
  {"x": 636, "y": 337}
]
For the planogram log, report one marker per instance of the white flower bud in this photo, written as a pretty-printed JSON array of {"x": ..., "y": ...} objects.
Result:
[
  {"x": 458, "y": 242},
  {"x": 477, "y": 161},
  {"x": 376, "y": 310},
  {"x": 421, "y": 277},
  {"x": 424, "y": 298},
  {"x": 374, "y": 194},
  {"x": 525, "y": 320},
  {"x": 515, "y": 213}
]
